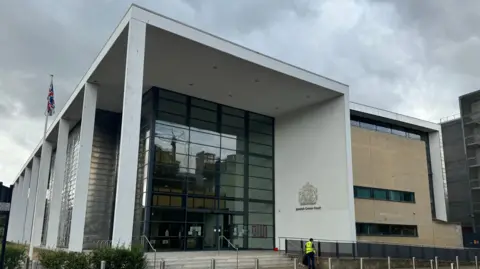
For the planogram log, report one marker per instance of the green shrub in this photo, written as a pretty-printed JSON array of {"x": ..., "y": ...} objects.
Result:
[
  {"x": 119, "y": 258},
  {"x": 75, "y": 260},
  {"x": 51, "y": 259},
  {"x": 15, "y": 255},
  {"x": 115, "y": 258}
]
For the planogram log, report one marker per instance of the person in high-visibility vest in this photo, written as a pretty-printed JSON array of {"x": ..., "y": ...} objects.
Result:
[{"x": 310, "y": 252}]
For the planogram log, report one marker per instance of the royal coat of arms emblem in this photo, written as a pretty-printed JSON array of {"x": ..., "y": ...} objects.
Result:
[{"x": 308, "y": 195}]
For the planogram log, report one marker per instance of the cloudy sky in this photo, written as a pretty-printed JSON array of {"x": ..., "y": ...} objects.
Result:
[{"x": 410, "y": 56}]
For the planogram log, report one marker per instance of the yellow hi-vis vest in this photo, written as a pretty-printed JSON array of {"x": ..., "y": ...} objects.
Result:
[{"x": 309, "y": 248}]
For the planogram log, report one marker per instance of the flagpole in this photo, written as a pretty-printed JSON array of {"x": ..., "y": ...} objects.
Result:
[{"x": 30, "y": 250}]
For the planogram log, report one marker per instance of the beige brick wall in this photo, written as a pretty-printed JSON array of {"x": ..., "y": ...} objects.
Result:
[{"x": 392, "y": 162}]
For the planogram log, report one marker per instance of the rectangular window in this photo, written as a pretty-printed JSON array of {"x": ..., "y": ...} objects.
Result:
[
  {"x": 361, "y": 192},
  {"x": 384, "y": 195},
  {"x": 408, "y": 197},
  {"x": 380, "y": 194},
  {"x": 395, "y": 196},
  {"x": 368, "y": 126},
  {"x": 414, "y": 136},
  {"x": 398, "y": 132},
  {"x": 385, "y": 128},
  {"x": 376, "y": 229}
]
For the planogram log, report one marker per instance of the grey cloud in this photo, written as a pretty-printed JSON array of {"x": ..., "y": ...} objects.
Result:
[{"x": 46, "y": 41}]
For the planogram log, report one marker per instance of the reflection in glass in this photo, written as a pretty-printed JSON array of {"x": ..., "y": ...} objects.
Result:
[
  {"x": 260, "y": 161},
  {"x": 232, "y": 142},
  {"x": 261, "y": 128},
  {"x": 260, "y": 183},
  {"x": 233, "y": 121},
  {"x": 202, "y": 154},
  {"x": 204, "y": 138},
  {"x": 172, "y": 107},
  {"x": 260, "y": 194},
  {"x": 232, "y": 156},
  {"x": 204, "y": 114},
  {"x": 261, "y": 138},
  {"x": 258, "y": 171},
  {"x": 238, "y": 133},
  {"x": 260, "y": 149}
]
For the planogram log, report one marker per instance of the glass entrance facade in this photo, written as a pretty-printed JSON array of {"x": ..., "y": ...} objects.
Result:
[{"x": 205, "y": 175}]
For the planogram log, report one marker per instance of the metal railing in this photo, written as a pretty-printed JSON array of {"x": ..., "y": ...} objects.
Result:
[
  {"x": 346, "y": 249},
  {"x": 229, "y": 243},
  {"x": 472, "y": 140},
  {"x": 450, "y": 118},
  {"x": 103, "y": 243},
  {"x": 162, "y": 266}
]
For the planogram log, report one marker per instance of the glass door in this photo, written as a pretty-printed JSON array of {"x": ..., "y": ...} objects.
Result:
[{"x": 211, "y": 232}]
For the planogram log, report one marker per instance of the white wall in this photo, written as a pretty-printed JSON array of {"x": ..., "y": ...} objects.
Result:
[
  {"x": 437, "y": 176},
  {"x": 314, "y": 145}
]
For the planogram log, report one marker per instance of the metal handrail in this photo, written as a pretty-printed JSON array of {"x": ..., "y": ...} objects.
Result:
[
  {"x": 154, "y": 251},
  {"x": 231, "y": 244}
]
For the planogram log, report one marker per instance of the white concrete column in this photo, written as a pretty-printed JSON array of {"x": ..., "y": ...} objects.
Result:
[
  {"x": 12, "y": 231},
  {"x": 26, "y": 185},
  {"x": 83, "y": 171},
  {"x": 32, "y": 196},
  {"x": 43, "y": 173},
  {"x": 19, "y": 211},
  {"x": 57, "y": 188},
  {"x": 130, "y": 132},
  {"x": 18, "y": 206}
]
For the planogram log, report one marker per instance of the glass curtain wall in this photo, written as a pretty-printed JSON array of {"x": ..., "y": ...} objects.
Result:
[
  {"x": 144, "y": 156},
  {"x": 68, "y": 192},
  {"x": 206, "y": 175},
  {"x": 51, "y": 178}
]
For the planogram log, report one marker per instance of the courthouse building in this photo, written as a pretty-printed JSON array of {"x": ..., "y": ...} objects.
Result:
[{"x": 189, "y": 140}]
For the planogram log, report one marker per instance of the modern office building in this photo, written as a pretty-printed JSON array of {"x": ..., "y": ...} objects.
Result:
[
  {"x": 189, "y": 140},
  {"x": 399, "y": 180},
  {"x": 461, "y": 140}
]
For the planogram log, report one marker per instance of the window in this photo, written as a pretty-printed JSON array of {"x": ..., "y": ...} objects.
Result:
[
  {"x": 367, "y": 126},
  {"x": 414, "y": 136},
  {"x": 385, "y": 195},
  {"x": 380, "y": 194},
  {"x": 376, "y": 229},
  {"x": 408, "y": 197},
  {"x": 384, "y": 127},
  {"x": 395, "y": 196},
  {"x": 206, "y": 157},
  {"x": 361, "y": 192}
]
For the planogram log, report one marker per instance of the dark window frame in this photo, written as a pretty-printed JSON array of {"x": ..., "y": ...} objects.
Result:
[
  {"x": 385, "y": 229},
  {"x": 389, "y": 197}
]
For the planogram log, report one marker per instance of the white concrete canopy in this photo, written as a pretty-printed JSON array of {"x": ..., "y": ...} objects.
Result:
[{"x": 184, "y": 59}]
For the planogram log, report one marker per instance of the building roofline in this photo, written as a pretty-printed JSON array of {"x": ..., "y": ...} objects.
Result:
[
  {"x": 423, "y": 125},
  {"x": 470, "y": 93},
  {"x": 233, "y": 43}
]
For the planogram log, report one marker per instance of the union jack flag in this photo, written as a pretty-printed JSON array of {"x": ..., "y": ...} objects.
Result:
[{"x": 51, "y": 100}]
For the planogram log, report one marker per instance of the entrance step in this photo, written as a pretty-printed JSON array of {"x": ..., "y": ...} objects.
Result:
[{"x": 223, "y": 260}]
